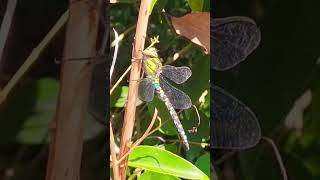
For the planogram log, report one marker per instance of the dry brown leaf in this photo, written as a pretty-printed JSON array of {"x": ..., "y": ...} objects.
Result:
[{"x": 194, "y": 26}]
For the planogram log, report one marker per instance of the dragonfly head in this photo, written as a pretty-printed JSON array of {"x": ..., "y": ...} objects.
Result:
[{"x": 151, "y": 52}]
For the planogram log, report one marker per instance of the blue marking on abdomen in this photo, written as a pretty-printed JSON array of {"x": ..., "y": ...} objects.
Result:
[{"x": 156, "y": 86}]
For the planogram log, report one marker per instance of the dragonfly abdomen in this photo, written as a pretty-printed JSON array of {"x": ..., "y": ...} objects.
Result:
[{"x": 174, "y": 116}]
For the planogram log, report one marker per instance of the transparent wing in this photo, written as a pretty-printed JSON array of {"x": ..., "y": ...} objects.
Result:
[
  {"x": 176, "y": 74},
  {"x": 178, "y": 99},
  {"x": 232, "y": 40},
  {"x": 233, "y": 124},
  {"x": 146, "y": 90}
]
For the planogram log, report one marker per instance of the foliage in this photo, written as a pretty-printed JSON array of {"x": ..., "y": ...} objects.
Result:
[{"x": 123, "y": 17}]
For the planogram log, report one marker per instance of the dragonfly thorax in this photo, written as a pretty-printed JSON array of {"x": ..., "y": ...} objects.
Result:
[{"x": 152, "y": 66}]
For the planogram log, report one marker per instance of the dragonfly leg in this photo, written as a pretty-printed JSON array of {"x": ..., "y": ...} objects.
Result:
[
  {"x": 133, "y": 59},
  {"x": 142, "y": 74}
]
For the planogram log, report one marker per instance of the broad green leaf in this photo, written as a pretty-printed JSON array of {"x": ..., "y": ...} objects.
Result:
[
  {"x": 153, "y": 175},
  {"x": 203, "y": 163},
  {"x": 172, "y": 148},
  {"x": 152, "y": 6},
  {"x": 28, "y": 111},
  {"x": 119, "y": 97},
  {"x": 196, "y": 5},
  {"x": 161, "y": 161},
  {"x": 35, "y": 128}
]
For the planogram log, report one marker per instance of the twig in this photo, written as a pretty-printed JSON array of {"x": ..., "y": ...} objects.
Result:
[
  {"x": 178, "y": 54},
  {"x": 195, "y": 129},
  {"x": 113, "y": 154},
  {"x": 120, "y": 79},
  {"x": 33, "y": 56},
  {"x": 130, "y": 110},
  {"x": 145, "y": 134},
  {"x": 161, "y": 124},
  {"x": 278, "y": 156},
  {"x": 5, "y": 27}
]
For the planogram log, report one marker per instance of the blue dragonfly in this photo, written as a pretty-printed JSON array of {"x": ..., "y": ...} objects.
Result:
[
  {"x": 155, "y": 82},
  {"x": 233, "y": 124}
]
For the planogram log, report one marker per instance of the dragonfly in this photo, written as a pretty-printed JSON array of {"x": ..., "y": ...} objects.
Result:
[
  {"x": 156, "y": 82},
  {"x": 233, "y": 124}
]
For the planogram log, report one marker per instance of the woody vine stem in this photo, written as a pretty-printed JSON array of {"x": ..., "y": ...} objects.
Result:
[{"x": 129, "y": 116}]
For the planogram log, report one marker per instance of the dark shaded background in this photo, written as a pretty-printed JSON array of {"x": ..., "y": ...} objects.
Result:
[
  {"x": 278, "y": 72},
  {"x": 27, "y": 114}
]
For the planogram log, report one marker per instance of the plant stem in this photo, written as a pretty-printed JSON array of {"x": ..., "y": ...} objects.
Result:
[
  {"x": 129, "y": 116},
  {"x": 67, "y": 139}
]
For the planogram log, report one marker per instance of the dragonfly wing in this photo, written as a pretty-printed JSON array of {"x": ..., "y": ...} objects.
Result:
[
  {"x": 146, "y": 90},
  {"x": 176, "y": 74},
  {"x": 233, "y": 124},
  {"x": 178, "y": 99},
  {"x": 233, "y": 39}
]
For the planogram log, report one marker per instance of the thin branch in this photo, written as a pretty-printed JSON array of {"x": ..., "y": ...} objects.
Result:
[
  {"x": 120, "y": 79},
  {"x": 130, "y": 110},
  {"x": 161, "y": 124},
  {"x": 5, "y": 27},
  {"x": 33, "y": 56},
  {"x": 145, "y": 134},
  {"x": 179, "y": 54},
  {"x": 195, "y": 129},
  {"x": 278, "y": 156},
  {"x": 113, "y": 154}
]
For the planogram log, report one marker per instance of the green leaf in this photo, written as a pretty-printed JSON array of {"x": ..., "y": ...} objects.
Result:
[
  {"x": 35, "y": 128},
  {"x": 119, "y": 98},
  {"x": 171, "y": 147},
  {"x": 161, "y": 161},
  {"x": 152, "y": 6},
  {"x": 203, "y": 163},
  {"x": 27, "y": 113},
  {"x": 196, "y": 5},
  {"x": 153, "y": 175}
]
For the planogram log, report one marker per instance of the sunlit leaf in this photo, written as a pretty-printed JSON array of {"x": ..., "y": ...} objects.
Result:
[
  {"x": 119, "y": 97},
  {"x": 196, "y": 5},
  {"x": 164, "y": 162},
  {"x": 203, "y": 163},
  {"x": 152, "y": 5},
  {"x": 153, "y": 175}
]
